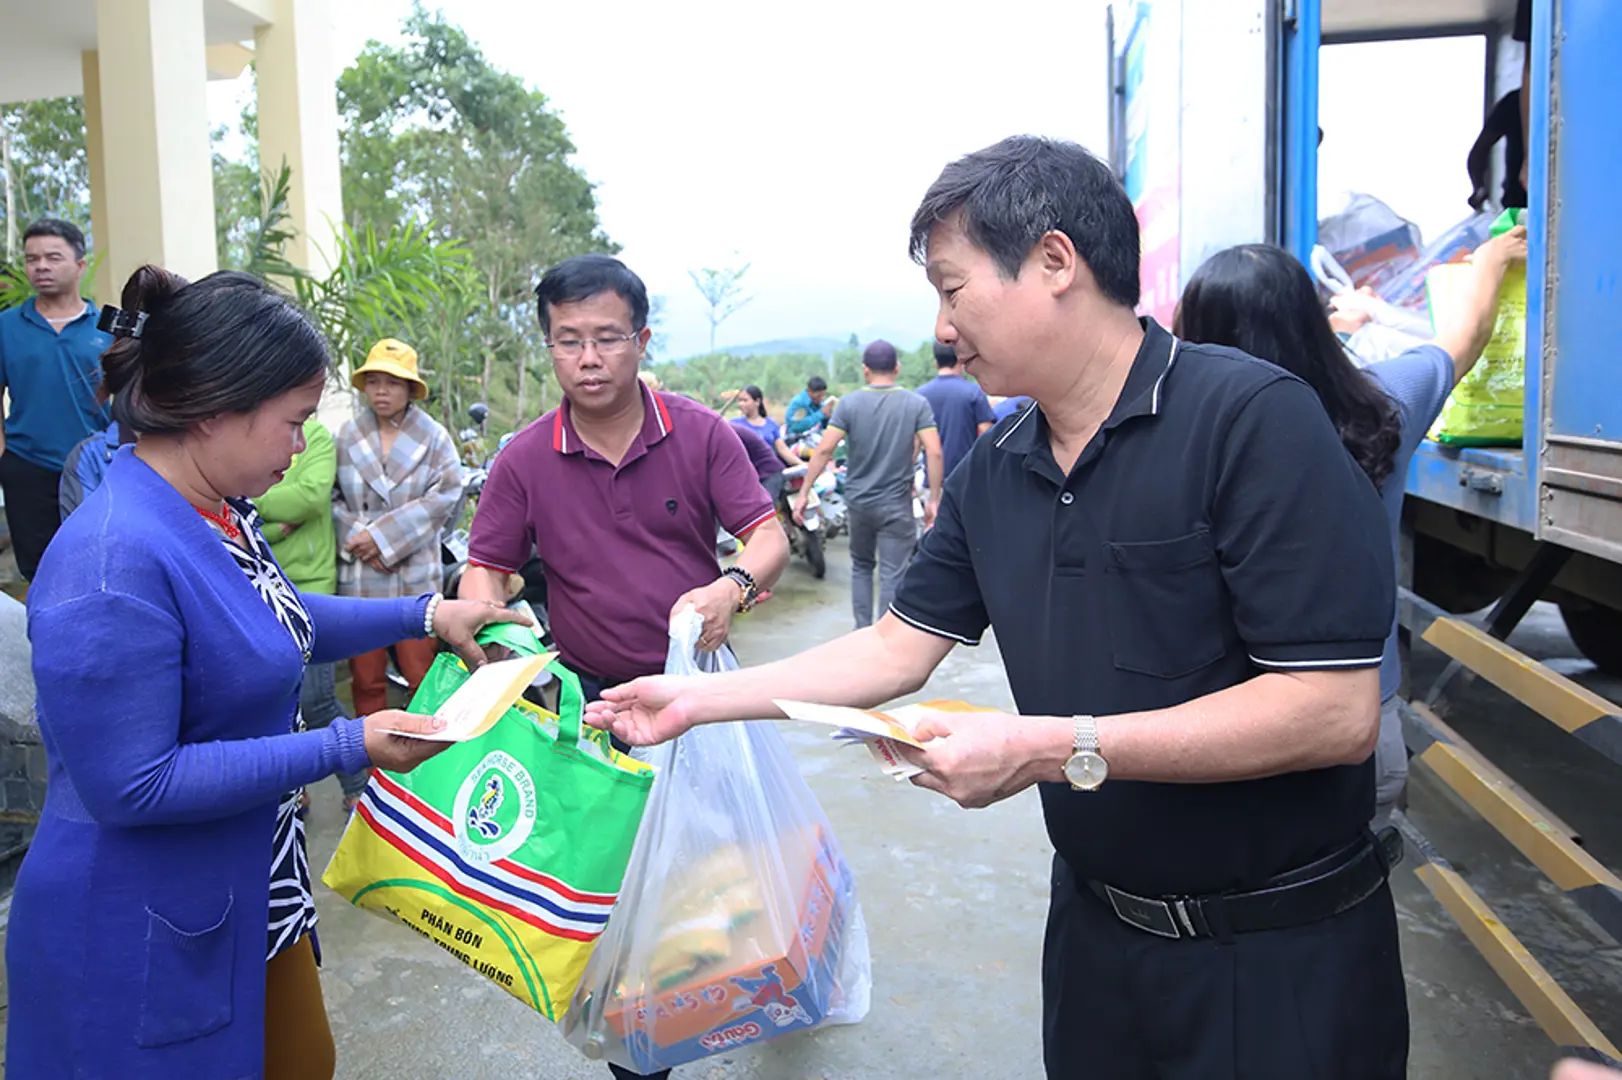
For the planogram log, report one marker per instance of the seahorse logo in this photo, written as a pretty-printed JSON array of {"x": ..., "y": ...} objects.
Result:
[
  {"x": 481, "y": 815},
  {"x": 495, "y": 809}
]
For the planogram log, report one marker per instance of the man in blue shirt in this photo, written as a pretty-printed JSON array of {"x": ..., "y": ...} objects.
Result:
[
  {"x": 50, "y": 365},
  {"x": 962, "y": 412},
  {"x": 807, "y": 411}
]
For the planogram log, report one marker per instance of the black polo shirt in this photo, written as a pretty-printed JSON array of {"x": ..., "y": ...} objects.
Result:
[{"x": 1213, "y": 529}]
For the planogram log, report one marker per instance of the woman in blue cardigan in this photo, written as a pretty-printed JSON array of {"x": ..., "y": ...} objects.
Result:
[{"x": 168, "y": 647}]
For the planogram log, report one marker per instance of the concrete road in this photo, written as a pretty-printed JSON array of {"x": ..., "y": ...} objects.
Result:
[{"x": 955, "y": 902}]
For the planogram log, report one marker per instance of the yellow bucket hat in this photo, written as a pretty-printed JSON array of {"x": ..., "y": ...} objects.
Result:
[{"x": 395, "y": 358}]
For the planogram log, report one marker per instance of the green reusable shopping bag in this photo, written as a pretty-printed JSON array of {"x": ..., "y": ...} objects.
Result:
[{"x": 508, "y": 850}]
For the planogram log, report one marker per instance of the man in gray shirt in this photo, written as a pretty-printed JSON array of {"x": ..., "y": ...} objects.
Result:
[{"x": 885, "y": 423}]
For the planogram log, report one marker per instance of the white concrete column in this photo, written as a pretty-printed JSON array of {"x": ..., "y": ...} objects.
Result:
[
  {"x": 95, "y": 154},
  {"x": 298, "y": 123},
  {"x": 154, "y": 116}
]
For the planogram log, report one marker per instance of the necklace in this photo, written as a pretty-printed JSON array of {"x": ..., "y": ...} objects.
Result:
[{"x": 225, "y": 524}]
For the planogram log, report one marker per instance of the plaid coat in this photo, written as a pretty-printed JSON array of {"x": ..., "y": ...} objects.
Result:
[{"x": 404, "y": 502}]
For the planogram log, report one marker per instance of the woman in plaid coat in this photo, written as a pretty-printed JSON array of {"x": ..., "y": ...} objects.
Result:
[{"x": 399, "y": 482}]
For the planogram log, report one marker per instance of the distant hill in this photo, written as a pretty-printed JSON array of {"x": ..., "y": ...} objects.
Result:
[
  {"x": 815, "y": 346},
  {"x": 812, "y": 346}
]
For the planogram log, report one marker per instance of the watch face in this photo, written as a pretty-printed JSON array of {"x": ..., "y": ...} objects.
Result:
[{"x": 1086, "y": 770}]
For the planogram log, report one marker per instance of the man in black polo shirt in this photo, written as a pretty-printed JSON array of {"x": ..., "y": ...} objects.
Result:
[{"x": 1190, "y": 584}]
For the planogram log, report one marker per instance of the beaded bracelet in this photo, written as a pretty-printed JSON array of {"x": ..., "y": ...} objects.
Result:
[{"x": 428, "y": 614}]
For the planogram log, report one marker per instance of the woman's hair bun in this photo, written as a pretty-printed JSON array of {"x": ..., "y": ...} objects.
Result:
[
  {"x": 226, "y": 343},
  {"x": 149, "y": 288}
]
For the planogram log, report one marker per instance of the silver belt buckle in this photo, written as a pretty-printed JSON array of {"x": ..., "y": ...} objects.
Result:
[{"x": 1154, "y": 916}]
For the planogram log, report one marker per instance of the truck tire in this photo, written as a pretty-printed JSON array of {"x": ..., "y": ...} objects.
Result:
[{"x": 1597, "y": 633}]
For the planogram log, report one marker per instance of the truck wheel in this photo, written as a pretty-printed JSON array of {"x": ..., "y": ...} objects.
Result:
[
  {"x": 813, "y": 553},
  {"x": 1597, "y": 633}
]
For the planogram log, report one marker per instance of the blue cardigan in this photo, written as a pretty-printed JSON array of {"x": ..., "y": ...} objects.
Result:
[{"x": 166, "y": 691}]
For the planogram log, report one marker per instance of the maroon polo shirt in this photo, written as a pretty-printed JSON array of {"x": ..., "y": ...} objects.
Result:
[{"x": 620, "y": 544}]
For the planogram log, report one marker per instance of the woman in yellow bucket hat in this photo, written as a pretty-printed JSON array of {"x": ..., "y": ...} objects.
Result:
[{"x": 399, "y": 481}]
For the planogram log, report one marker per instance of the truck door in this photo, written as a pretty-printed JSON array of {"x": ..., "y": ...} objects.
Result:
[
  {"x": 1197, "y": 129},
  {"x": 1573, "y": 295}
]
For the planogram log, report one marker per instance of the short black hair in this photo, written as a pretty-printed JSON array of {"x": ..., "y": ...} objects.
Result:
[
  {"x": 880, "y": 357},
  {"x": 225, "y": 344},
  {"x": 816, "y": 383},
  {"x": 63, "y": 230},
  {"x": 945, "y": 355},
  {"x": 584, "y": 276},
  {"x": 1009, "y": 195}
]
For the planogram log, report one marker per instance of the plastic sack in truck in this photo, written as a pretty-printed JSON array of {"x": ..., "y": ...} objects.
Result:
[
  {"x": 1487, "y": 408},
  {"x": 738, "y": 921},
  {"x": 1408, "y": 290},
  {"x": 508, "y": 850},
  {"x": 1369, "y": 239}
]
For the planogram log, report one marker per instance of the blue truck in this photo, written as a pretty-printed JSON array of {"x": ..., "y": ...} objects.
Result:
[{"x": 1214, "y": 128}]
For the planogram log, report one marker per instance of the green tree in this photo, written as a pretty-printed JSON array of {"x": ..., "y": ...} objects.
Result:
[
  {"x": 45, "y": 170},
  {"x": 435, "y": 134}
]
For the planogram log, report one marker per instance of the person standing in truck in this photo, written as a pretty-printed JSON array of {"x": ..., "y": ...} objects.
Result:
[{"x": 1259, "y": 299}]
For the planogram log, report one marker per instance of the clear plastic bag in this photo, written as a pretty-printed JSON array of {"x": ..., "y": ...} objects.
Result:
[
  {"x": 1390, "y": 331},
  {"x": 738, "y": 919},
  {"x": 1374, "y": 243}
]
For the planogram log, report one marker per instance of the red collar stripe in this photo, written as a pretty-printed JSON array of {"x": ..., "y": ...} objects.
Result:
[{"x": 661, "y": 411}]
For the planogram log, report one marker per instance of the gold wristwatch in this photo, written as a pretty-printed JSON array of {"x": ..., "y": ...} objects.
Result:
[{"x": 1086, "y": 768}]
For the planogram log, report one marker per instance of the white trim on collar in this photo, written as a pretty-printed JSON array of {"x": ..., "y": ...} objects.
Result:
[
  {"x": 1023, "y": 416},
  {"x": 1154, "y": 402}
]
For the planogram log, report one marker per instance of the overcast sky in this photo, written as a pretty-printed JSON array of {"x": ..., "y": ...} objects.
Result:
[{"x": 734, "y": 132}]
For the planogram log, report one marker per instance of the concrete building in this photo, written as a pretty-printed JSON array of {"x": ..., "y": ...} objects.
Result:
[{"x": 142, "y": 67}]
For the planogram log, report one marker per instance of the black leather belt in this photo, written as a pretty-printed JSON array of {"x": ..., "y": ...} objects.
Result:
[{"x": 1321, "y": 889}]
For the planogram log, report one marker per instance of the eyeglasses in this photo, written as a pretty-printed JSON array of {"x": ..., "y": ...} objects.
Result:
[{"x": 570, "y": 348}]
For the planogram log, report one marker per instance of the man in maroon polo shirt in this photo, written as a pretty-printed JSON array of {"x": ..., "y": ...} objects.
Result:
[{"x": 619, "y": 490}]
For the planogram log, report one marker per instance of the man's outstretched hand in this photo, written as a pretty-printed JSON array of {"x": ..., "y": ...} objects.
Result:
[{"x": 644, "y": 712}]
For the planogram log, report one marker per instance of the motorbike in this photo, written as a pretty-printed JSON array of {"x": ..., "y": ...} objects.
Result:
[{"x": 824, "y": 516}]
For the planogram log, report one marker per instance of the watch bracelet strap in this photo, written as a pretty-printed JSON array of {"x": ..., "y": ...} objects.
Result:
[{"x": 1085, "y": 739}]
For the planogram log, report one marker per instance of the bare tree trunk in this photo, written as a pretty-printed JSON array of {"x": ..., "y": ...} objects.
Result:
[
  {"x": 518, "y": 417},
  {"x": 11, "y": 200}
]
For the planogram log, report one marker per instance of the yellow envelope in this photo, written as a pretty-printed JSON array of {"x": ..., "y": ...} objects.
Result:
[{"x": 480, "y": 702}]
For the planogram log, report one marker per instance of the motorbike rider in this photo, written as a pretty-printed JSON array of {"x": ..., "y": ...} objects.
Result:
[
  {"x": 809, "y": 410},
  {"x": 752, "y": 404}
]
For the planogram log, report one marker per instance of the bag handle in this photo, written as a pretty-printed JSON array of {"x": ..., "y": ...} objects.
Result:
[{"x": 571, "y": 704}]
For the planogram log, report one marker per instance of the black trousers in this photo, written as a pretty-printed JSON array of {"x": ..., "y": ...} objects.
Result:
[
  {"x": 1326, "y": 1000},
  {"x": 591, "y": 689},
  {"x": 32, "y": 510}
]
